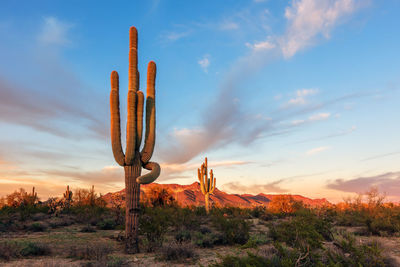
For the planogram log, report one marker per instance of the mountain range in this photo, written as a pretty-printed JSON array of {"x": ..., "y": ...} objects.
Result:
[{"x": 190, "y": 195}]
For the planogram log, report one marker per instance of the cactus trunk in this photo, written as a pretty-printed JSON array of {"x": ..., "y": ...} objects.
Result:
[
  {"x": 207, "y": 205},
  {"x": 132, "y": 195}
]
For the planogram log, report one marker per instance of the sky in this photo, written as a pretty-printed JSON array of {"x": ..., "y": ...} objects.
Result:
[{"x": 285, "y": 96}]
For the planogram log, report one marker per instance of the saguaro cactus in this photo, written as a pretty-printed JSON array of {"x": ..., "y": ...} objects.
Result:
[
  {"x": 68, "y": 197},
  {"x": 207, "y": 185},
  {"x": 133, "y": 160}
]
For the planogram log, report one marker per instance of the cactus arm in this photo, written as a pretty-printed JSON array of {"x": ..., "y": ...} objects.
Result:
[
  {"x": 132, "y": 88},
  {"x": 150, "y": 136},
  {"x": 115, "y": 120},
  {"x": 202, "y": 187},
  {"x": 213, "y": 188},
  {"x": 139, "y": 120},
  {"x": 211, "y": 181},
  {"x": 152, "y": 175},
  {"x": 131, "y": 129},
  {"x": 133, "y": 76}
]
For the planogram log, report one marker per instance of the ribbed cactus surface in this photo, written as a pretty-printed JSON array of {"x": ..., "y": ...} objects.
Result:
[
  {"x": 207, "y": 184},
  {"x": 134, "y": 159}
]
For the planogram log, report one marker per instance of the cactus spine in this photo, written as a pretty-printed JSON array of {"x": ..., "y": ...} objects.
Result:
[
  {"x": 133, "y": 160},
  {"x": 207, "y": 185}
]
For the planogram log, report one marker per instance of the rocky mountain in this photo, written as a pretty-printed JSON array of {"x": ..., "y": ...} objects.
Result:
[{"x": 188, "y": 195}]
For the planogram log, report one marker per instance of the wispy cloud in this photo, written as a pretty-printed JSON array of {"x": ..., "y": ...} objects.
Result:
[
  {"x": 388, "y": 183},
  {"x": 260, "y": 46},
  {"x": 301, "y": 97},
  {"x": 204, "y": 63},
  {"x": 54, "y": 32},
  {"x": 310, "y": 19},
  {"x": 228, "y": 26},
  {"x": 317, "y": 150},
  {"x": 51, "y": 96}
]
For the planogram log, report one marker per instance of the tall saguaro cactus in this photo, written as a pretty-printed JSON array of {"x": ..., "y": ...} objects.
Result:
[
  {"x": 133, "y": 160},
  {"x": 207, "y": 184}
]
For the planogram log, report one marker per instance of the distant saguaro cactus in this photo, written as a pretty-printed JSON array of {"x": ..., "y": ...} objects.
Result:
[
  {"x": 133, "y": 160},
  {"x": 207, "y": 185},
  {"x": 68, "y": 197}
]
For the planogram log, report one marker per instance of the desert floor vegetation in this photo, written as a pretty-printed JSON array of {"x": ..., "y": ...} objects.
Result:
[{"x": 87, "y": 232}]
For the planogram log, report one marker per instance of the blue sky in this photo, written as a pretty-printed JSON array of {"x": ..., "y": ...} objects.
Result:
[{"x": 293, "y": 97}]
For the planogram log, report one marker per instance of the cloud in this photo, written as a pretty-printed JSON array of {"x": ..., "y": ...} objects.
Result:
[
  {"x": 319, "y": 116},
  {"x": 310, "y": 19},
  {"x": 301, "y": 97},
  {"x": 258, "y": 46},
  {"x": 382, "y": 156},
  {"x": 317, "y": 150},
  {"x": 272, "y": 187},
  {"x": 54, "y": 32},
  {"x": 228, "y": 26},
  {"x": 50, "y": 98},
  {"x": 204, "y": 63},
  {"x": 175, "y": 36},
  {"x": 388, "y": 183}
]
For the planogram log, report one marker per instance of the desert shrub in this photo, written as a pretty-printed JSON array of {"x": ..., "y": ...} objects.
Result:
[
  {"x": 19, "y": 249},
  {"x": 37, "y": 227},
  {"x": 234, "y": 230},
  {"x": 258, "y": 212},
  {"x": 183, "y": 236},
  {"x": 160, "y": 197},
  {"x": 97, "y": 251},
  {"x": 207, "y": 240},
  {"x": 34, "y": 249},
  {"x": 184, "y": 218},
  {"x": 177, "y": 252},
  {"x": 304, "y": 231},
  {"x": 284, "y": 204},
  {"x": 205, "y": 230},
  {"x": 153, "y": 224},
  {"x": 256, "y": 240},
  {"x": 60, "y": 222},
  {"x": 115, "y": 261},
  {"x": 352, "y": 253},
  {"x": 106, "y": 224},
  {"x": 88, "y": 229}
]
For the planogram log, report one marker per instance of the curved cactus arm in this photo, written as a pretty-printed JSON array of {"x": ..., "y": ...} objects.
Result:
[
  {"x": 150, "y": 136},
  {"x": 115, "y": 120},
  {"x": 152, "y": 175},
  {"x": 139, "y": 119}
]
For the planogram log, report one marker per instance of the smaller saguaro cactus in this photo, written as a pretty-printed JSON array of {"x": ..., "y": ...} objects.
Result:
[
  {"x": 68, "y": 197},
  {"x": 207, "y": 184}
]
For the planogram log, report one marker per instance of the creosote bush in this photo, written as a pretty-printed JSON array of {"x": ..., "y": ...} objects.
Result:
[{"x": 175, "y": 252}]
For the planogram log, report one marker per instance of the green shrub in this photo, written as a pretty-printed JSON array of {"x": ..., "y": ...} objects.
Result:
[
  {"x": 37, "y": 227},
  {"x": 153, "y": 224},
  {"x": 88, "y": 229},
  {"x": 234, "y": 230},
  {"x": 353, "y": 254},
  {"x": 303, "y": 231},
  {"x": 19, "y": 249},
  {"x": 177, "y": 252},
  {"x": 106, "y": 224},
  {"x": 256, "y": 240},
  {"x": 207, "y": 240},
  {"x": 183, "y": 236}
]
